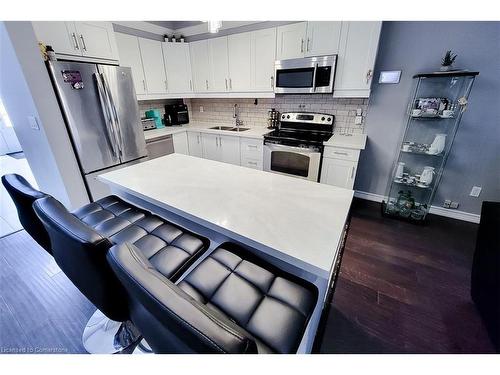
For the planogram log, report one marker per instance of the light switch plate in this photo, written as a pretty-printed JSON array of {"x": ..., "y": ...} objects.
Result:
[
  {"x": 33, "y": 123},
  {"x": 476, "y": 190}
]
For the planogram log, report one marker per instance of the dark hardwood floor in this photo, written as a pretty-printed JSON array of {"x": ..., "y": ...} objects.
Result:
[{"x": 402, "y": 289}]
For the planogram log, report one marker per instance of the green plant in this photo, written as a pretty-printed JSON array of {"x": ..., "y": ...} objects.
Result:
[{"x": 448, "y": 59}]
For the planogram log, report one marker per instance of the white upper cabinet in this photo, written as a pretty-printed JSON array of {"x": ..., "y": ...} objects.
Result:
[
  {"x": 239, "y": 47},
  {"x": 178, "y": 67},
  {"x": 154, "y": 69},
  {"x": 200, "y": 65},
  {"x": 323, "y": 38},
  {"x": 97, "y": 39},
  {"x": 263, "y": 55},
  {"x": 79, "y": 39},
  {"x": 356, "y": 58},
  {"x": 60, "y": 35},
  {"x": 219, "y": 81},
  {"x": 130, "y": 55},
  {"x": 291, "y": 41}
]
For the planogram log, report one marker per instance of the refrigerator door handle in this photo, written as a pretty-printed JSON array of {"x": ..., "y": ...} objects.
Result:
[
  {"x": 112, "y": 107},
  {"x": 107, "y": 115}
]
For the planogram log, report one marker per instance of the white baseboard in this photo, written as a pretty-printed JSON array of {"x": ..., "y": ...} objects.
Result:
[{"x": 441, "y": 211}]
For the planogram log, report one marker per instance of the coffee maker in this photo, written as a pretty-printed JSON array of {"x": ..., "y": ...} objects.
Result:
[{"x": 273, "y": 119}]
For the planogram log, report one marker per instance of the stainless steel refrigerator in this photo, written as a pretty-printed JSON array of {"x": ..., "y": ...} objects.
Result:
[{"x": 102, "y": 116}]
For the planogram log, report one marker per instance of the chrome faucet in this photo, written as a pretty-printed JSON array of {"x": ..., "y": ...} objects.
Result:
[{"x": 236, "y": 116}]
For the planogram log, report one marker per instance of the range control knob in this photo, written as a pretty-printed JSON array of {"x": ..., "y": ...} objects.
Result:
[
  {"x": 282, "y": 116},
  {"x": 323, "y": 118},
  {"x": 329, "y": 119},
  {"x": 287, "y": 116}
]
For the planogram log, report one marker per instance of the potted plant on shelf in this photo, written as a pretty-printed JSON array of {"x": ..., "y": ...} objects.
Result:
[{"x": 447, "y": 61}]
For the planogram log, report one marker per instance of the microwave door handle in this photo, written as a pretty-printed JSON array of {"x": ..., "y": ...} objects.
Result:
[
  {"x": 107, "y": 116},
  {"x": 114, "y": 113},
  {"x": 314, "y": 78}
]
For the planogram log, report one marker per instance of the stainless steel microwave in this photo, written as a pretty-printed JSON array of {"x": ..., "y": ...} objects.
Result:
[{"x": 309, "y": 75}]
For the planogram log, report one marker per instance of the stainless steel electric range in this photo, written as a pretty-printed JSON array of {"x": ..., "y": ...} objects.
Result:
[{"x": 296, "y": 147}]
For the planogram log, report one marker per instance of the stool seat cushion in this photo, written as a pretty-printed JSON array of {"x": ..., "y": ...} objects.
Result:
[
  {"x": 270, "y": 305},
  {"x": 169, "y": 248}
]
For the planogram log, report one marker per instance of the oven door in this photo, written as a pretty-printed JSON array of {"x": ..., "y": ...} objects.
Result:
[{"x": 292, "y": 161}]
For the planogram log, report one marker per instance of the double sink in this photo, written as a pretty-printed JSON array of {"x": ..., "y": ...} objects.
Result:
[{"x": 230, "y": 128}]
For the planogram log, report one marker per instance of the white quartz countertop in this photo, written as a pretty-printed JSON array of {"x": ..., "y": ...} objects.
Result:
[
  {"x": 297, "y": 219},
  {"x": 204, "y": 127},
  {"x": 355, "y": 141}
]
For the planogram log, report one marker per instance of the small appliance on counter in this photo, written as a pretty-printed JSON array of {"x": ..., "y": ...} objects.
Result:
[
  {"x": 273, "y": 119},
  {"x": 155, "y": 115},
  {"x": 148, "y": 123},
  {"x": 176, "y": 114}
]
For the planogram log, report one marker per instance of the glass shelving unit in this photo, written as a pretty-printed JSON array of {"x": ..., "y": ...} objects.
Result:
[{"x": 439, "y": 99}]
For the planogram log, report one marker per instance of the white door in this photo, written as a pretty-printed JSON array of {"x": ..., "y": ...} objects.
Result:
[
  {"x": 229, "y": 149},
  {"x": 338, "y": 172},
  {"x": 130, "y": 55},
  {"x": 200, "y": 65},
  {"x": 323, "y": 38},
  {"x": 211, "y": 148},
  {"x": 356, "y": 59},
  {"x": 177, "y": 67},
  {"x": 291, "y": 41},
  {"x": 97, "y": 39},
  {"x": 219, "y": 81},
  {"x": 195, "y": 144},
  {"x": 154, "y": 69},
  {"x": 181, "y": 143},
  {"x": 239, "y": 47},
  {"x": 61, "y": 36},
  {"x": 263, "y": 57}
]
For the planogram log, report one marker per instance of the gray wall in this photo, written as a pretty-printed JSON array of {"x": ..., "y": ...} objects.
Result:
[{"x": 475, "y": 157}]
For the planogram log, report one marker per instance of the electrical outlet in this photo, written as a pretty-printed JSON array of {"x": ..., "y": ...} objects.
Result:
[
  {"x": 33, "y": 123},
  {"x": 201, "y": 108},
  {"x": 454, "y": 205},
  {"x": 447, "y": 203},
  {"x": 476, "y": 190}
]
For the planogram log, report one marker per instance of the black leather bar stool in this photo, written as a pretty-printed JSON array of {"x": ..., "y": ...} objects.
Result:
[
  {"x": 232, "y": 302},
  {"x": 80, "y": 241},
  {"x": 24, "y": 195}
]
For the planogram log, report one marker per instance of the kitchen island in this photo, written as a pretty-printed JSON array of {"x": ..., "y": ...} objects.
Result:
[{"x": 296, "y": 224}]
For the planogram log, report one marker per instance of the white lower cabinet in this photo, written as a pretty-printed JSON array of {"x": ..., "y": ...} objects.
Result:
[
  {"x": 195, "y": 144},
  {"x": 181, "y": 143},
  {"x": 221, "y": 148},
  {"x": 339, "y": 167}
]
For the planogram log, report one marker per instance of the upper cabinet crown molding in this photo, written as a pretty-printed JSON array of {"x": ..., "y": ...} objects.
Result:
[
  {"x": 92, "y": 40},
  {"x": 356, "y": 59}
]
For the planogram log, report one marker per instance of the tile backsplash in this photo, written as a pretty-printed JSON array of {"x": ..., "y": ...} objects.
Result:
[{"x": 221, "y": 110}]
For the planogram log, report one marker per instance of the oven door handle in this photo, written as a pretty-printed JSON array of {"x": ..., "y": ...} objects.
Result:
[{"x": 292, "y": 148}]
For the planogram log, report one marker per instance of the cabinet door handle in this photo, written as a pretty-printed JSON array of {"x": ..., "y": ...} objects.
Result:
[
  {"x": 190, "y": 85},
  {"x": 216, "y": 141},
  {"x": 84, "y": 46},
  {"x": 206, "y": 81},
  {"x": 230, "y": 84},
  {"x": 352, "y": 172},
  {"x": 253, "y": 146},
  {"x": 369, "y": 74},
  {"x": 166, "y": 85},
  {"x": 225, "y": 79},
  {"x": 302, "y": 45},
  {"x": 144, "y": 85},
  {"x": 220, "y": 141},
  {"x": 77, "y": 47},
  {"x": 272, "y": 82},
  {"x": 307, "y": 46},
  {"x": 252, "y": 163},
  {"x": 340, "y": 153}
]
